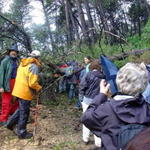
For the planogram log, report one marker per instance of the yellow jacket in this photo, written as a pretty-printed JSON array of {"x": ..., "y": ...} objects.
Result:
[{"x": 27, "y": 79}]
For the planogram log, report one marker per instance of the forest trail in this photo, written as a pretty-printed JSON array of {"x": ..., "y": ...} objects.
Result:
[{"x": 57, "y": 130}]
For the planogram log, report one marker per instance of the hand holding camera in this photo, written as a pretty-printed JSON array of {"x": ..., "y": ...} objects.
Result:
[{"x": 104, "y": 87}]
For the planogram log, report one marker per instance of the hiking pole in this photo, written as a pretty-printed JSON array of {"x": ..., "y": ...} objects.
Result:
[
  {"x": 61, "y": 77},
  {"x": 50, "y": 85},
  {"x": 37, "y": 106},
  {"x": 36, "y": 116}
]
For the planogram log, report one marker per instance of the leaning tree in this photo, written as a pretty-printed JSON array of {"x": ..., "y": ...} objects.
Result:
[{"x": 10, "y": 30}]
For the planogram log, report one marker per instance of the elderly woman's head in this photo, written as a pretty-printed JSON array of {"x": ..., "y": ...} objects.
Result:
[{"x": 132, "y": 79}]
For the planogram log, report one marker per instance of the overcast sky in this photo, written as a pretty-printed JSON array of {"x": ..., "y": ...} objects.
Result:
[{"x": 36, "y": 13}]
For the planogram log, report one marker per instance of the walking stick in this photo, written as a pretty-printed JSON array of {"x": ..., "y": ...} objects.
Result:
[
  {"x": 37, "y": 107},
  {"x": 36, "y": 116}
]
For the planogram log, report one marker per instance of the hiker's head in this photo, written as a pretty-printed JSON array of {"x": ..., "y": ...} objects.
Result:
[
  {"x": 95, "y": 65},
  {"x": 35, "y": 54},
  {"x": 132, "y": 79},
  {"x": 87, "y": 59},
  {"x": 13, "y": 51},
  {"x": 13, "y": 54}
]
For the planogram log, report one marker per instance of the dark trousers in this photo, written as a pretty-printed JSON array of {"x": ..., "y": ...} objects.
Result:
[
  {"x": 20, "y": 117},
  {"x": 24, "y": 111},
  {"x": 70, "y": 88}
]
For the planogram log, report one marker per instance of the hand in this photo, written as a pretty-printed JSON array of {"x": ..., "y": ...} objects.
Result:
[
  {"x": 104, "y": 87},
  {"x": 14, "y": 99},
  {"x": 1, "y": 90}
]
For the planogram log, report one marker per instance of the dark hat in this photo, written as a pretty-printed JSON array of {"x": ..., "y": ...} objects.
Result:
[{"x": 14, "y": 47}]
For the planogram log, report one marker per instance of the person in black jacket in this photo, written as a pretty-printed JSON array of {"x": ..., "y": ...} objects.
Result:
[
  {"x": 106, "y": 117},
  {"x": 88, "y": 89}
]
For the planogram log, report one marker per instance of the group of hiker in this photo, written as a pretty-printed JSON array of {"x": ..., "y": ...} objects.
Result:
[
  {"x": 70, "y": 75},
  {"x": 18, "y": 83},
  {"x": 114, "y": 119}
]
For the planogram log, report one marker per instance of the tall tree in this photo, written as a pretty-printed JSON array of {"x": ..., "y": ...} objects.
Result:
[
  {"x": 84, "y": 27},
  {"x": 48, "y": 23},
  {"x": 103, "y": 19},
  {"x": 68, "y": 21},
  {"x": 90, "y": 21},
  {"x": 19, "y": 12}
]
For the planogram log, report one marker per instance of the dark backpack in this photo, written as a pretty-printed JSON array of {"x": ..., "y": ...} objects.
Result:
[{"x": 127, "y": 132}]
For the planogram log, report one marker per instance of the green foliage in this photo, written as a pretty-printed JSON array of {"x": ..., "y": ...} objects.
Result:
[
  {"x": 135, "y": 42},
  {"x": 3, "y": 42},
  {"x": 21, "y": 15},
  {"x": 143, "y": 41},
  {"x": 145, "y": 57},
  {"x": 138, "y": 11},
  {"x": 110, "y": 5},
  {"x": 39, "y": 34}
]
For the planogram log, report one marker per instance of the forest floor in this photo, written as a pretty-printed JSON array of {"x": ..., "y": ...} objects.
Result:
[{"x": 57, "y": 128}]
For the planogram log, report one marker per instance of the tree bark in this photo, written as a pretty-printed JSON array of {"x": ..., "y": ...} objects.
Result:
[
  {"x": 14, "y": 32},
  {"x": 68, "y": 25},
  {"x": 48, "y": 25},
  {"x": 100, "y": 10},
  {"x": 147, "y": 6},
  {"x": 82, "y": 20},
  {"x": 75, "y": 26},
  {"x": 90, "y": 20}
]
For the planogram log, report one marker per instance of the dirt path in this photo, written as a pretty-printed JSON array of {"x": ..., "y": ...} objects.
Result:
[{"x": 57, "y": 130}]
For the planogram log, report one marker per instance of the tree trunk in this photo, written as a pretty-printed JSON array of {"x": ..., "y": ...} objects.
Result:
[
  {"x": 84, "y": 27},
  {"x": 48, "y": 26},
  {"x": 145, "y": 2},
  {"x": 126, "y": 24},
  {"x": 126, "y": 54},
  {"x": 75, "y": 26},
  {"x": 68, "y": 25},
  {"x": 90, "y": 20},
  {"x": 99, "y": 7}
]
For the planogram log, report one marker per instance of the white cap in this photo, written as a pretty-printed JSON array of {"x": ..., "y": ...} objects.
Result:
[{"x": 35, "y": 53}]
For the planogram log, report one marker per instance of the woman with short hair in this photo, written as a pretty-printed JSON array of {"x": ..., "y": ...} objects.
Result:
[{"x": 88, "y": 89}]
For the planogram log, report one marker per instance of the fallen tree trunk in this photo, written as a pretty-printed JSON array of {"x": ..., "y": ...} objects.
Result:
[{"x": 126, "y": 54}]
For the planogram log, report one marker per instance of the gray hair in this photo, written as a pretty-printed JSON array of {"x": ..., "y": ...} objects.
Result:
[{"x": 132, "y": 79}]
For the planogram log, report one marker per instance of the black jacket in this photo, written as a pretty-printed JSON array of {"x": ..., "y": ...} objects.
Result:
[{"x": 90, "y": 84}]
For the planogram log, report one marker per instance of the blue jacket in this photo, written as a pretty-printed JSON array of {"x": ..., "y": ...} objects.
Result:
[
  {"x": 105, "y": 118},
  {"x": 89, "y": 85}
]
